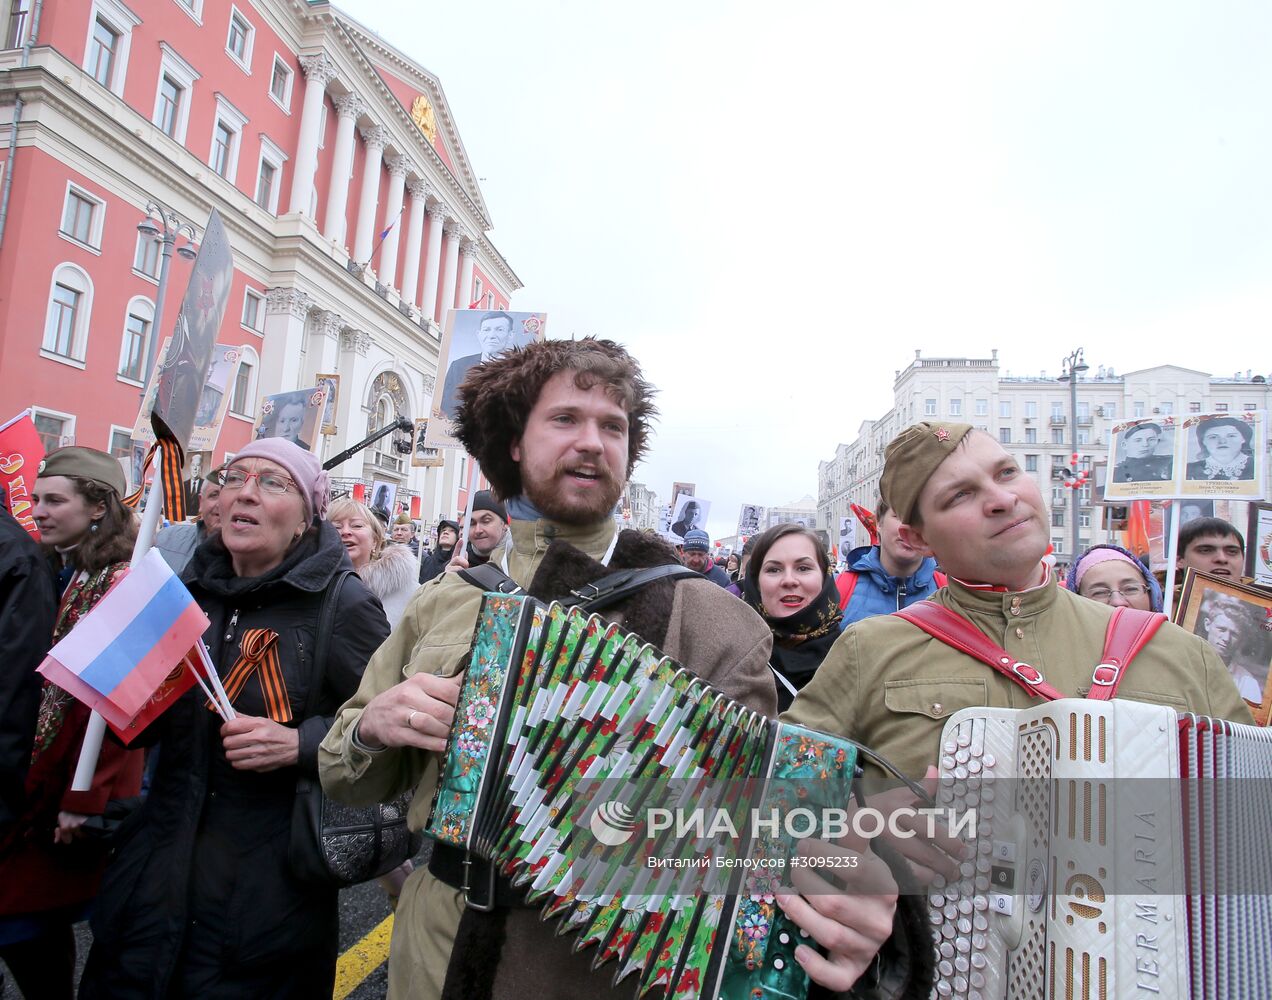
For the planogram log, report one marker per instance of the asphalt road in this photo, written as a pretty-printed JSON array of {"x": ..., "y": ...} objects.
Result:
[{"x": 362, "y": 909}]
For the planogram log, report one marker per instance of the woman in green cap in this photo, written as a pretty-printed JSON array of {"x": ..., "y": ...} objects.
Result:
[{"x": 49, "y": 871}]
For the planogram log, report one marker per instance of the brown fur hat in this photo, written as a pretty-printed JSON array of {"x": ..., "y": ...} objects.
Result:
[{"x": 496, "y": 397}]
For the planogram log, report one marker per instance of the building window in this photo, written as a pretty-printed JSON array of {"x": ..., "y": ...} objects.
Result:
[
  {"x": 82, "y": 217},
  {"x": 172, "y": 99},
  {"x": 1057, "y": 411},
  {"x": 1110, "y": 411},
  {"x": 227, "y": 131},
  {"x": 243, "y": 399},
  {"x": 1031, "y": 435},
  {"x": 1084, "y": 412},
  {"x": 53, "y": 429},
  {"x": 280, "y": 83},
  {"x": 1004, "y": 435},
  {"x": 929, "y": 407},
  {"x": 1004, "y": 409},
  {"x": 1194, "y": 407},
  {"x": 1221, "y": 407},
  {"x": 253, "y": 310},
  {"x": 15, "y": 34},
  {"x": 120, "y": 443},
  {"x": 982, "y": 407},
  {"x": 1084, "y": 436},
  {"x": 1138, "y": 410},
  {"x": 66, "y": 322},
  {"x": 1031, "y": 463},
  {"x": 137, "y": 328},
  {"x": 1057, "y": 517},
  {"x": 1031, "y": 409},
  {"x": 1084, "y": 519},
  {"x": 269, "y": 176},
  {"x": 1167, "y": 409},
  {"x": 1250, "y": 407},
  {"x": 238, "y": 43},
  {"x": 1057, "y": 435},
  {"x": 102, "y": 51},
  {"x": 956, "y": 407},
  {"x": 192, "y": 7},
  {"x": 146, "y": 258}
]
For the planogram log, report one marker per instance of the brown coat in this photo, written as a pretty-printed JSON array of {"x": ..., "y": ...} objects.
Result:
[{"x": 693, "y": 620}]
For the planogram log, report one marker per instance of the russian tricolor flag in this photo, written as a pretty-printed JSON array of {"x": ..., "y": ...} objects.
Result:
[{"x": 120, "y": 653}]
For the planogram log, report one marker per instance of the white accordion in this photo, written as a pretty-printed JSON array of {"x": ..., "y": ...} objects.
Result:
[{"x": 1120, "y": 850}]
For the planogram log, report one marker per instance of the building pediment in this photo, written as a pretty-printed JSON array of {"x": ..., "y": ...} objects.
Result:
[{"x": 1161, "y": 373}]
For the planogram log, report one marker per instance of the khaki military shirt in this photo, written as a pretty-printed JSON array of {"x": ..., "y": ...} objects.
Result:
[{"x": 890, "y": 686}]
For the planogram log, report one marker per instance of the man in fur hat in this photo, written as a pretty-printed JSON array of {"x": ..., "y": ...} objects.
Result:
[{"x": 557, "y": 428}]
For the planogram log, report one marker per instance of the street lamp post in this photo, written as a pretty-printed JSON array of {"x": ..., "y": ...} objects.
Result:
[
  {"x": 173, "y": 226},
  {"x": 1073, "y": 367}
]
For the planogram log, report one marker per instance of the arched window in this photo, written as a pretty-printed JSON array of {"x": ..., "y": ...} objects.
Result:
[
  {"x": 243, "y": 399},
  {"x": 386, "y": 402},
  {"x": 70, "y": 306},
  {"x": 139, "y": 322}
]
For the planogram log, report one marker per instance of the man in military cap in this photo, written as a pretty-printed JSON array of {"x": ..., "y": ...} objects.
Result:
[{"x": 963, "y": 499}]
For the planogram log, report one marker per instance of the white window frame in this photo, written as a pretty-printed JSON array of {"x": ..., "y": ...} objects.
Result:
[
  {"x": 244, "y": 62},
  {"x": 272, "y": 154},
  {"x": 9, "y": 14},
  {"x": 96, "y": 224},
  {"x": 185, "y": 76},
  {"x": 1004, "y": 409},
  {"x": 929, "y": 407},
  {"x": 44, "y": 411},
  {"x": 79, "y": 336},
  {"x": 137, "y": 305},
  {"x": 956, "y": 407},
  {"x": 120, "y": 20},
  {"x": 252, "y": 359},
  {"x": 152, "y": 278},
  {"x": 236, "y": 122},
  {"x": 110, "y": 434},
  {"x": 253, "y": 294},
  {"x": 193, "y": 9},
  {"x": 285, "y": 101}
]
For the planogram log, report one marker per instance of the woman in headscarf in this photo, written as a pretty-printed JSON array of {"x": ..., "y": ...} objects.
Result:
[
  {"x": 1111, "y": 575},
  {"x": 49, "y": 869},
  {"x": 788, "y": 582},
  {"x": 200, "y": 900}
]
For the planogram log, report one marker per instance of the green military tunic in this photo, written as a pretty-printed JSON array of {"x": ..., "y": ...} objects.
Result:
[
  {"x": 708, "y": 630},
  {"x": 890, "y": 686}
]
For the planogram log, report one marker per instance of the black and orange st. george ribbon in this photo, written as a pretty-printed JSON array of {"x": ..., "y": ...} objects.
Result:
[
  {"x": 258, "y": 655},
  {"x": 171, "y": 460}
]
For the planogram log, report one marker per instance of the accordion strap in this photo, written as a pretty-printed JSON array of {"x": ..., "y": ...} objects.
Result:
[
  {"x": 614, "y": 587},
  {"x": 1128, "y": 632}
]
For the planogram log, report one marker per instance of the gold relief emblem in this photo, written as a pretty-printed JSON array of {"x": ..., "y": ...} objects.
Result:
[{"x": 422, "y": 115}]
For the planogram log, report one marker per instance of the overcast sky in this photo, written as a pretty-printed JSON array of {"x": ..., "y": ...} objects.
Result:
[{"x": 774, "y": 207}]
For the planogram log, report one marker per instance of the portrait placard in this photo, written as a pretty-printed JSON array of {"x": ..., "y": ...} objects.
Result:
[
  {"x": 1237, "y": 622},
  {"x": 214, "y": 399},
  {"x": 751, "y": 519},
  {"x": 332, "y": 384},
  {"x": 422, "y": 456},
  {"x": 1141, "y": 460},
  {"x": 292, "y": 415},
  {"x": 1259, "y": 544},
  {"x": 677, "y": 489},
  {"x": 690, "y": 512},
  {"x": 470, "y": 337},
  {"x": 383, "y": 495},
  {"x": 1224, "y": 455}
]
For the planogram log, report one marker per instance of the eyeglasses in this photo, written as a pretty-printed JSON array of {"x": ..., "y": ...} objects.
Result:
[
  {"x": 268, "y": 482},
  {"x": 1104, "y": 593}
]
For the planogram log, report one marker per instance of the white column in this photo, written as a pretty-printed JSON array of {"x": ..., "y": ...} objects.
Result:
[
  {"x": 453, "y": 235},
  {"x": 286, "y": 312},
  {"x": 464, "y": 294},
  {"x": 348, "y": 108},
  {"x": 433, "y": 259},
  {"x": 387, "y": 271},
  {"x": 375, "y": 139},
  {"x": 414, "y": 237},
  {"x": 355, "y": 372},
  {"x": 318, "y": 70}
]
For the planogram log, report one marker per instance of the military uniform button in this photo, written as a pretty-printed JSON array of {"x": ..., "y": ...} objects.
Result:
[{"x": 937, "y": 708}]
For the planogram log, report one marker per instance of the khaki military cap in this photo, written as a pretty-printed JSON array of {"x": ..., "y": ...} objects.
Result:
[{"x": 910, "y": 460}]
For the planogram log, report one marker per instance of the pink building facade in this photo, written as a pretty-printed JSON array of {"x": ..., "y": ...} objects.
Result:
[{"x": 353, "y": 213}]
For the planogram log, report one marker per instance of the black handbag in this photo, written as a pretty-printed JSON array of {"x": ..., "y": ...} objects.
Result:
[{"x": 335, "y": 844}]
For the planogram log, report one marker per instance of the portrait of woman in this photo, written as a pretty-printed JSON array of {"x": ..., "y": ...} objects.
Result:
[
  {"x": 1225, "y": 450},
  {"x": 289, "y": 415}
]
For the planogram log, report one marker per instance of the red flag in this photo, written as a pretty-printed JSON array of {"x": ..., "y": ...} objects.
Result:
[
  {"x": 21, "y": 452},
  {"x": 360, "y": 492},
  {"x": 180, "y": 680},
  {"x": 415, "y": 508}
]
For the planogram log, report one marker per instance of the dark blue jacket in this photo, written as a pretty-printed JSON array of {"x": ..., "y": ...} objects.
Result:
[
  {"x": 877, "y": 593},
  {"x": 717, "y": 575}
]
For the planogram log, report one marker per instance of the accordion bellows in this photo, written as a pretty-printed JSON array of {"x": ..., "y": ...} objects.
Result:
[{"x": 568, "y": 732}]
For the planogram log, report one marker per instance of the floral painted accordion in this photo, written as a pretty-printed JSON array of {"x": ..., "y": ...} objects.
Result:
[
  {"x": 622, "y": 793},
  {"x": 1120, "y": 850}
]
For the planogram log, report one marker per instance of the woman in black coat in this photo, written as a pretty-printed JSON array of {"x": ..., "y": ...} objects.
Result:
[{"x": 199, "y": 900}]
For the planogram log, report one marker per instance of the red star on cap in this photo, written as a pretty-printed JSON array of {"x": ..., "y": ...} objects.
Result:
[{"x": 942, "y": 434}]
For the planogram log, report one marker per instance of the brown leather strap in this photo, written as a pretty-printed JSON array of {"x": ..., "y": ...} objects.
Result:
[{"x": 1128, "y": 632}]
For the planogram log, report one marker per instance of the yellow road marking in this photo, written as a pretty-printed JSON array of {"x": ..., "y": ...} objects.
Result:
[{"x": 363, "y": 959}]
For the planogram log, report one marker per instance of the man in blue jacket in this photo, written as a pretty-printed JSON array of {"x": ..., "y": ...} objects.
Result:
[
  {"x": 696, "y": 554},
  {"x": 886, "y": 577}
]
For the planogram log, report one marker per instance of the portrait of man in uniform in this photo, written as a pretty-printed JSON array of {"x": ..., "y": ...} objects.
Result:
[{"x": 1145, "y": 454}]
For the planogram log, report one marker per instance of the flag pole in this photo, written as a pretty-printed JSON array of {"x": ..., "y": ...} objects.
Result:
[
  {"x": 468, "y": 507},
  {"x": 96, "y": 731},
  {"x": 1172, "y": 556}
]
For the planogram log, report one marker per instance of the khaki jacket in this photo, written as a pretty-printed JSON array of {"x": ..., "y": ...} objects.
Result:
[
  {"x": 710, "y": 631},
  {"x": 890, "y": 686}
]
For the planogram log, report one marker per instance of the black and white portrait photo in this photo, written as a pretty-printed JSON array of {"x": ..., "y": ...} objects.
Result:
[
  {"x": 383, "y": 495},
  {"x": 1220, "y": 448},
  {"x": 1145, "y": 454},
  {"x": 689, "y": 513}
]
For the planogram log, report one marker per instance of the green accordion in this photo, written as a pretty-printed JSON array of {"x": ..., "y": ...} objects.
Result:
[{"x": 649, "y": 813}]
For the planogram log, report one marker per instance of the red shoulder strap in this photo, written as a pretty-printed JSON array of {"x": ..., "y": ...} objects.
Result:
[
  {"x": 955, "y": 630},
  {"x": 940, "y": 578},
  {"x": 1128, "y": 632},
  {"x": 847, "y": 583}
]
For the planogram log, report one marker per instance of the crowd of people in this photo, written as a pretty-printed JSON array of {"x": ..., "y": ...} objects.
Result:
[{"x": 179, "y": 853}]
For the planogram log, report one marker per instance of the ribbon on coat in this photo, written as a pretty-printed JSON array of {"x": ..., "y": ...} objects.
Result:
[
  {"x": 171, "y": 460},
  {"x": 258, "y": 655}
]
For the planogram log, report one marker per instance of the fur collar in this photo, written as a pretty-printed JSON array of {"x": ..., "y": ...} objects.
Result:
[{"x": 394, "y": 570}]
